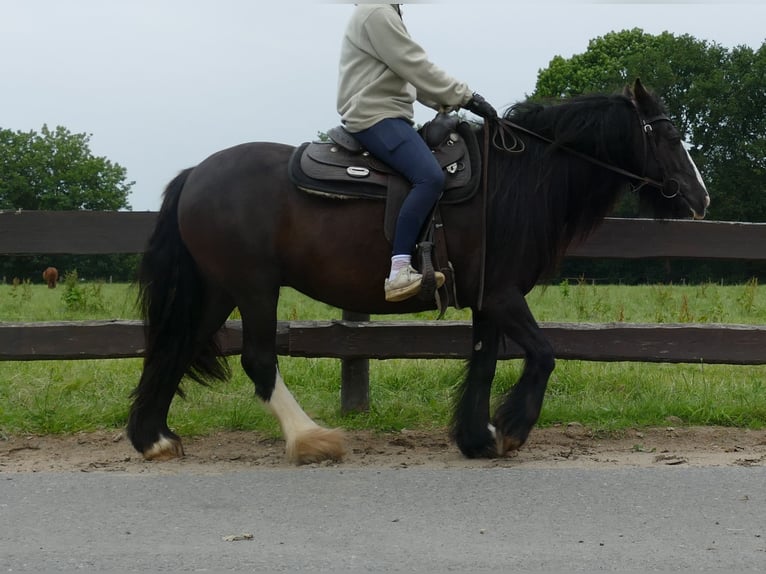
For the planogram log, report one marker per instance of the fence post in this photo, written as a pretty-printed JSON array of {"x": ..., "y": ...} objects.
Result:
[{"x": 355, "y": 377}]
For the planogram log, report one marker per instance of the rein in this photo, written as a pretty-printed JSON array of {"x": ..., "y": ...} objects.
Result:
[
  {"x": 484, "y": 196},
  {"x": 506, "y": 127}
]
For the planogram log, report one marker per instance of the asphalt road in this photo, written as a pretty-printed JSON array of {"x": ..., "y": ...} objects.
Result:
[{"x": 409, "y": 520}]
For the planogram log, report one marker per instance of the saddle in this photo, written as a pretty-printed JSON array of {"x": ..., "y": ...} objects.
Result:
[{"x": 342, "y": 169}]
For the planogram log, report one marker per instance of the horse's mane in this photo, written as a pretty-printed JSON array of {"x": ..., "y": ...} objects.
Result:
[{"x": 544, "y": 198}]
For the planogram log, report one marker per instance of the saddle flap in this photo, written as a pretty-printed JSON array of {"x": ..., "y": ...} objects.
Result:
[
  {"x": 453, "y": 157},
  {"x": 329, "y": 162}
]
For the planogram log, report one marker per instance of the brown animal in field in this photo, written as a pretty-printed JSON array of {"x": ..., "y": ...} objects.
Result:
[{"x": 51, "y": 277}]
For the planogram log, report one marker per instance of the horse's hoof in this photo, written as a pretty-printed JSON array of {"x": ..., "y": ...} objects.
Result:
[
  {"x": 481, "y": 445},
  {"x": 165, "y": 448},
  {"x": 316, "y": 445},
  {"x": 506, "y": 444}
]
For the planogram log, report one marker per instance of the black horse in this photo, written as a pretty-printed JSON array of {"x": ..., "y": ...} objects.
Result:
[{"x": 234, "y": 229}]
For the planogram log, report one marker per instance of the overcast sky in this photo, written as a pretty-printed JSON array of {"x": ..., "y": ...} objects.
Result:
[{"x": 162, "y": 84}]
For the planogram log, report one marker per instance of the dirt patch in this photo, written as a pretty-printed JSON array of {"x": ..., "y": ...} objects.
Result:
[{"x": 558, "y": 447}]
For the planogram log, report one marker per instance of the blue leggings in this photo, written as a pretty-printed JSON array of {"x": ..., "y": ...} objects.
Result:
[{"x": 396, "y": 142}]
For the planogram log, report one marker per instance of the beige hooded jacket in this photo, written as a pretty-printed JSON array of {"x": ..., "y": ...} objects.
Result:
[{"x": 383, "y": 71}]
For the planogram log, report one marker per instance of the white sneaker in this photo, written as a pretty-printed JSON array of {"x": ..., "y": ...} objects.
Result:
[{"x": 406, "y": 283}]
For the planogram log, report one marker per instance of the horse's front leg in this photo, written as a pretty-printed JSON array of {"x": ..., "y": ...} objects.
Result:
[
  {"x": 521, "y": 406},
  {"x": 471, "y": 430}
]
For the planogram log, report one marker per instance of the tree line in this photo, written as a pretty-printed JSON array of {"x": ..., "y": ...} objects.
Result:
[
  {"x": 715, "y": 95},
  {"x": 54, "y": 169}
]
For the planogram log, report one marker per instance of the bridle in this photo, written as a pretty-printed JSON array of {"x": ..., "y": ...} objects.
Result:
[
  {"x": 505, "y": 132},
  {"x": 648, "y": 130}
]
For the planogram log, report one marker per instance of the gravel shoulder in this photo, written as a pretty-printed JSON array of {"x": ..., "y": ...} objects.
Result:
[{"x": 566, "y": 446}]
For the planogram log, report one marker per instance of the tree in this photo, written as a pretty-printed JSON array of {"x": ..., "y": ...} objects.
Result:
[
  {"x": 732, "y": 136},
  {"x": 55, "y": 170},
  {"x": 716, "y": 97}
]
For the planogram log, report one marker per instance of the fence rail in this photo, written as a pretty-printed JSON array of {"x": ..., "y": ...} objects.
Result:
[
  {"x": 357, "y": 340},
  {"x": 105, "y": 232},
  {"x": 667, "y": 343}
]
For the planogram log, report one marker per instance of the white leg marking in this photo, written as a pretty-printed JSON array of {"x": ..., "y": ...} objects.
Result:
[
  {"x": 289, "y": 413},
  {"x": 165, "y": 448},
  {"x": 306, "y": 440}
]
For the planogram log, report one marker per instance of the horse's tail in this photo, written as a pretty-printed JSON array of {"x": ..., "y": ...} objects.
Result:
[{"x": 171, "y": 298}]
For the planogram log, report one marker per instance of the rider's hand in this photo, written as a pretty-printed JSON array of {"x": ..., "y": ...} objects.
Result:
[{"x": 481, "y": 107}]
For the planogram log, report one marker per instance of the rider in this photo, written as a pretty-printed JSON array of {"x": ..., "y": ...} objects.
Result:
[{"x": 382, "y": 72}]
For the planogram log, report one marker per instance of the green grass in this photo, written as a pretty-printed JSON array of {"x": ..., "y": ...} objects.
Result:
[{"x": 71, "y": 396}]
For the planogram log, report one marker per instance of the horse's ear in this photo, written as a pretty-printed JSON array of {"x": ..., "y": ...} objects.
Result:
[
  {"x": 627, "y": 91},
  {"x": 639, "y": 90}
]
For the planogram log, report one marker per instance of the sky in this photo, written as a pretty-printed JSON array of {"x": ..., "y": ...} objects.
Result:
[{"x": 161, "y": 84}]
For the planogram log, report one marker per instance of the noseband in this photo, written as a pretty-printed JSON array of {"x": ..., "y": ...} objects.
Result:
[{"x": 504, "y": 139}]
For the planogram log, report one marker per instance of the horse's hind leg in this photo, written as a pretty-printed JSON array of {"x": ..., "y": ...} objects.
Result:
[
  {"x": 147, "y": 426},
  {"x": 306, "y": 441}
]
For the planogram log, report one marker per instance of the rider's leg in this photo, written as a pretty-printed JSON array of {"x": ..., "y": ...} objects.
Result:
[{"x": 396, "y": 142}]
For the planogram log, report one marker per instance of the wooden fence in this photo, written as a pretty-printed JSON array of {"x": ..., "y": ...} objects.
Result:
[{"x": 354, "y": 339}]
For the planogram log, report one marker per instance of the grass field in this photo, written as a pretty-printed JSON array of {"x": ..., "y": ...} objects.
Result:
[{"x": 71, "y": 396}]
